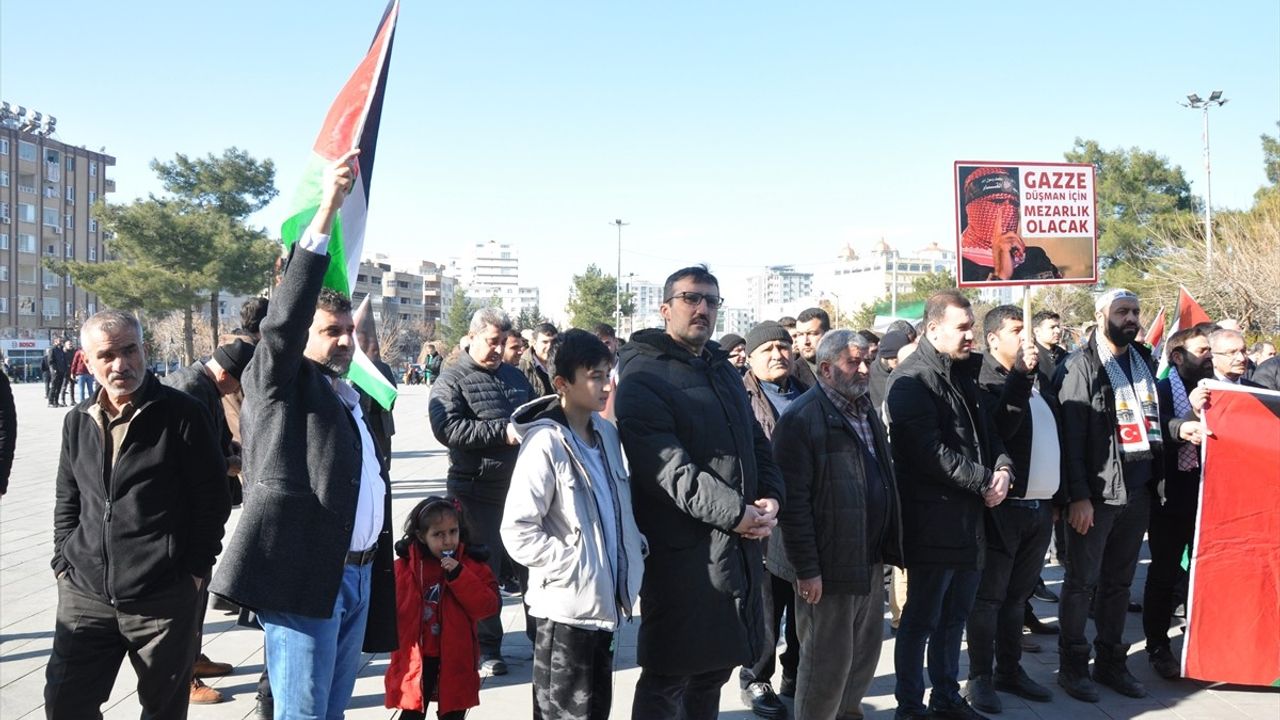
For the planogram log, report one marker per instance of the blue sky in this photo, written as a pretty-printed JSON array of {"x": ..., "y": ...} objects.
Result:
[{"x": 734, "y": 133}]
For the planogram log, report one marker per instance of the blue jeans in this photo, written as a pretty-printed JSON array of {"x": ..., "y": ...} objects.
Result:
[
  {"x": 313, "y": 661},
  {"x": 938, "y": 603},
  {"x": 85, "y": 385}
]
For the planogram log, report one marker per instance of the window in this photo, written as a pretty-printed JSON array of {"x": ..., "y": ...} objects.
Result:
[
  {"x": 4, "y": 178},
  {"x": 71, "y": 192},
  {"x": 71, "y": 310},
  {"x": 26, "y": 305},
  {"x": 4, "y": 146},
  {"x": 69, "y": 220},
  {"x": 4, "y": 304},
  {"x": 26, "y": 151},
  {"x": 93, "y": 308},
  {"x": 93, "y": 254},
  {"x": 51, "y": 191},
  {"x": 50, "y": 217},
  {"x": 69, "y": 250},
  {"x": 71, "y": 164},
  {"x": 26, "y": 243},
  {"x": 51, "y": 250},
  {"x": 26, "y": 212},
  {"x": 4, "y": 241},
  {"x": 93, "y": 196},
  {"x": 93, "y": 168},
  {"x": 93, "y": 225},
  {"x": 50, "y": 279},
  {"x": 50, "y": 309},
  {"x": 27, "y": 183},
  {"x": 4, "y": 211},
  {"x": 4, "y": 273},
  {"x": 27, "y": 274}
]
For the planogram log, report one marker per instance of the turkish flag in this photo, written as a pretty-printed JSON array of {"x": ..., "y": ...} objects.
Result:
[{"x": 1233, "y": 611}]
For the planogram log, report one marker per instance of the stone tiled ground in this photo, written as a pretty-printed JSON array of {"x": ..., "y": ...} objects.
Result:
[{"x": 28, "y": 598}]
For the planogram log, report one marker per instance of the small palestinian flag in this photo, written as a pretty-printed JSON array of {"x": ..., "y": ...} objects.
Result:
[
  {"x": 1187, "y": 314},
  {"x": 352, "y": 123}
]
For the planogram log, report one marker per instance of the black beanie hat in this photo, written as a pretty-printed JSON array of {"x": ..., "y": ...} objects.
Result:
[
  {"x": 234, "y": 357},
  {"x": 767, "y": 331}
]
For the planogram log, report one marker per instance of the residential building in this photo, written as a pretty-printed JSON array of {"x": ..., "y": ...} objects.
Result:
[
  {"x": 737, "y": 320},
  {"x": 855, "y": 280},
  {"x": 492, "y": 270},
  {"x": 779, "y": 290},
  {"x": 47, "y": 190},
  {"x": 645, "y": 298}
]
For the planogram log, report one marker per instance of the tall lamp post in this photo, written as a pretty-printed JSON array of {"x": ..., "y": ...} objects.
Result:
[
  {"x": 617, "y": 279},
  {"x": 1195, "y": 102}
]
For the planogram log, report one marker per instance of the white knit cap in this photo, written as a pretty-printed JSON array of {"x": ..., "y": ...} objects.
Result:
[{"x": 1103, "y": 303}]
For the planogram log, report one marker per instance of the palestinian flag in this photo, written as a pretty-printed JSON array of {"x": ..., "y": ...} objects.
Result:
[
  {"x": 1156, "y": 332},
  {"x": 1187, "y": 314},
  {"x": 352, "y": 123}
]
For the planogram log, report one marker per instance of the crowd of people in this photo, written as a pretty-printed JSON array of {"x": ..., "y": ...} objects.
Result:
[{"x": 779, "y": 486}]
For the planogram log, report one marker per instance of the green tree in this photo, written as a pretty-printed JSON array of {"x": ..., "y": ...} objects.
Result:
[
  {"x": 456, "y": 322},
  {"x": 235, "y": 186},
  {"x": 591, "y": 299},
  {"x": 1139, "y": 195},
  {"x": 529, "y": 317}
]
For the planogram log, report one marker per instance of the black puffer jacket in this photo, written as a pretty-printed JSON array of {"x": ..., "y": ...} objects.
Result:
[
  {"x": 944, "y": 451},
  {"x": 1268, "y": 374},
  {"x": 470, "y": 408},
  {"x": 697, "y": 457},
  {"x": 156, "y": 515}
]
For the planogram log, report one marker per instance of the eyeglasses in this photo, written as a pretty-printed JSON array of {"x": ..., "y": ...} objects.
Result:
[
  {"x": 1231, "y": 353},
  {"x": 694, "y": 299}
]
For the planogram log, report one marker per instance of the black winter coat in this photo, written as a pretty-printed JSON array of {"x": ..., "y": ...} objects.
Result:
[
  {"x": 1007, "y": 394},
  {"x": 697, "y": 457},
  {"x": 8, "y": 431},
  {"x": 945, "y": 450},
  {"x": 824, "y": 520},
  {"x": 156, "y": 516},
  {"x": 1088, "y": 423},
  {"x": 1267, "y": 374},
  {"x": 470, "y": 409}
]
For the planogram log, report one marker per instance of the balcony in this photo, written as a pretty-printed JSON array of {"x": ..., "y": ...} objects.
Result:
[
  {"x": 53, "y": 171},
  {"x": 109, "y": 185}
]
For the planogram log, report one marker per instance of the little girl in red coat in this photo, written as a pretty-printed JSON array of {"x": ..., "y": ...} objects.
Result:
[{"x": 442, "y": 590}]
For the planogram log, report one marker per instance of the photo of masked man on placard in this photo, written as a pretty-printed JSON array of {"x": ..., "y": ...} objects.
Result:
[{"x": 991, "y": 247}]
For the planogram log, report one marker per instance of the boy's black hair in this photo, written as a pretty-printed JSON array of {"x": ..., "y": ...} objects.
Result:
[
  {"x": 575, "y": 349},
  {"x": 427, "y": 511},
  {"x": 870, "y": 337},
  {"x": 252, "y": 313},
  {"x": 1044, "y": 315}
]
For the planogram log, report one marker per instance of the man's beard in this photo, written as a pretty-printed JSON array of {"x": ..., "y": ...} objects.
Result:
[
  {"x": 1120, "y": 335},
  {"x": 1194, "y": 372},
  {"x": 335, "y": 367}
]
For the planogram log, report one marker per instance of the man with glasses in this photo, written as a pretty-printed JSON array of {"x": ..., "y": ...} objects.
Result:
[
  {"x": 1230, "y": 361},
  {"x": 705, "y": 491}
]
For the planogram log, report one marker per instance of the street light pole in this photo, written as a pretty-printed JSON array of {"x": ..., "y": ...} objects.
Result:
[
  {"x": 1196, "y": 103},
  {"x": 617, "y": 279}
]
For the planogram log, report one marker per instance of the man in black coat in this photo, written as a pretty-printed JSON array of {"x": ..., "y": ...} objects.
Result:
[
  {"x": 470, "y": 410},
  {"x": 59, "y": 368},
  {"x": 312, "y": 553},
  {"x": 1174, "y": 504},
  {"x": 8, "y": 431},
  {"x": 1112, "y": 437},
  {"x": 1026, "y": 419},
  {"x": 138, "y": 520},
  {"x": 949, "y": 463},
  {"x": 705, "y": 491},
  {"x": 839, "y": 526}
]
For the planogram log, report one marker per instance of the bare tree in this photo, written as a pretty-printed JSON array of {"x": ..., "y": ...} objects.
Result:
[{"x": 167, "y": 336}]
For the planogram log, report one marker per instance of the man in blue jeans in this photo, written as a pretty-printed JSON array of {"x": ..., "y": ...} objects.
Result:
[
  {"x": 312, "y": 551},
  {"x": 949, "y": 463}
]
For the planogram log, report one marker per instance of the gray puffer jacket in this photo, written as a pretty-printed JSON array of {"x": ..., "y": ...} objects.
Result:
[{"x": 552, "y": 522}]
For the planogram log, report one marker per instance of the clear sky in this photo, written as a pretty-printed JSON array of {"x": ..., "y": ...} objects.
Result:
[{"x": 734, "y": 133}]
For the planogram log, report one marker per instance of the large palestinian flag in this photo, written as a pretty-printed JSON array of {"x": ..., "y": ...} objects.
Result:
[
  {"x": 352, "y": 123},
  {"x": 1233, "y": 607}
]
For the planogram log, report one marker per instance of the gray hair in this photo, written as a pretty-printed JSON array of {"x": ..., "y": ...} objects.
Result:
[
  {"x": 1217, "y": 336},
  {"x": 109, "y": 322},
  {"x": 485, "y": 317},
  {"x": 836, "y": 342}
]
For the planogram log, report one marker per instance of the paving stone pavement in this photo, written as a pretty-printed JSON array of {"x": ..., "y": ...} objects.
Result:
[{"x": 28, "y": 598}]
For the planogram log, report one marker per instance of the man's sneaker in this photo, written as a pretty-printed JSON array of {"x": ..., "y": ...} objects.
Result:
[
  {"x": 1023, "y": 686},
  {"x": 1164, "y": 663},
  {"x": 787, "y": 688},
  {"x": 759, "y": 696},
  {"x": 982, "y": 694},
  {"x": 1044, "y": 593},
  {"x": 205, "y": 667},
  {"x": 202, "y": 694},
  {"x": 1037, "y": 627},
  {"x": 493, "y": 667},
  {"x": 959, "y": 710}
]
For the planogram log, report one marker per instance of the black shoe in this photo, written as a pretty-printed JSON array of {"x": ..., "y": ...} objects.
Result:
[
  {"x": 1023, "y": 686},
  {"x": 1135, "y": 607},
  {"x": 1037, "y": 627},
  {"x": 493, "y": 667},
  {"x": 1080, "y": 687},
  {"x": 266, "y": 708},
  {"x": 954, "y": 710},
  {"x": 1043, "y": 593},
  {"x": 982, "y": 694},
  {"x": 787, "y": 688},
  {"x": 759, "y": 696},
  {"x": 1110, "y": 669},
  {"x": 1164, "y": 663},
  {"x": 510, "y": 587}
]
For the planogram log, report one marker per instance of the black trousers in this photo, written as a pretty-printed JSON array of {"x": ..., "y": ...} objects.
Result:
[
  {"x": 91, "y": 638},
  {"x": 485, "y": 522},
  {"x": 1008, "y": 578},
  {"x": 779, "y": 600},
  {"x": 430, "y": 678},
  {"x": 572, "y": 672},
  {"x": 1102, "y": 560},
  {"x": 1170, "y": 534},
  {"x": 678, "y": 697},
  {"x": 56, "y": 380}
]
